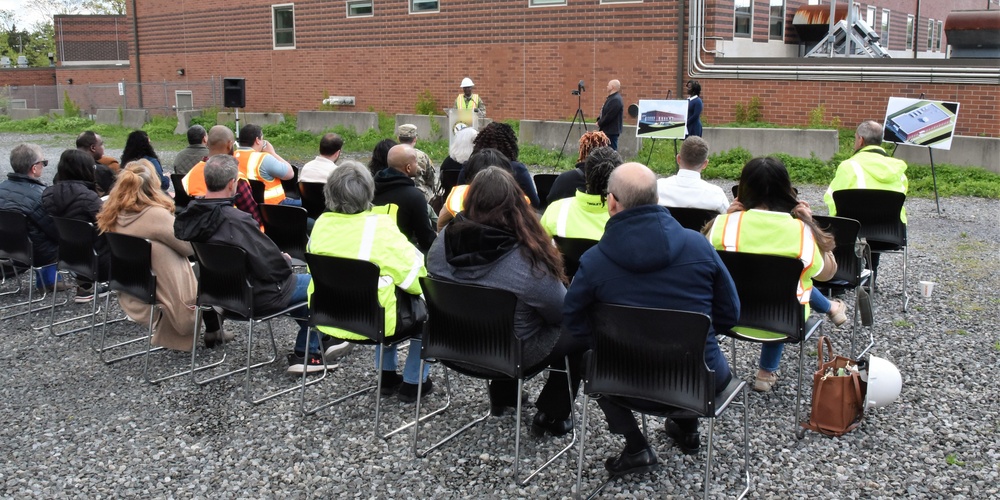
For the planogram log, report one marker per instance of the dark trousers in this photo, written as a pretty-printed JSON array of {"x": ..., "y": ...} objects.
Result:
[
  {"x": 614, "y": 141},
  {"x": 621, "y": 420},
  {"x": 554, "y": 401}
]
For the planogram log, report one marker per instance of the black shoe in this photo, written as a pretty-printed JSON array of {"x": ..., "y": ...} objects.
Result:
[
  {"x": 688, "y": 442},
  {"x": 334, "y": 348},
  {"x": 542, "y": 424},
  {"x": 217, "y": 338},
  {"x": 313, "y": 363},
  {"x": 390, "y": 382},
  {"x": 498, "y": 408},
  {"x": 641, "y": 461},
  {"x": 408, "y": 392}
]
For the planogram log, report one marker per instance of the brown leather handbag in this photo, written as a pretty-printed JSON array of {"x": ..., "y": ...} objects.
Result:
[{"x": 838, "y": 393}]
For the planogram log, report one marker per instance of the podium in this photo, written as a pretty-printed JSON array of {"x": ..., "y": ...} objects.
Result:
[{"x": 467, "y": 117}]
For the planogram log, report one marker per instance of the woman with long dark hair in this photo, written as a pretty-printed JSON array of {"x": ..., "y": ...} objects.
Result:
[
  {"x": 501, "y": 137},
  {"x": 138, "y": 147},
  {"x": 380, "y": 156},
  {"x": 768, "y": 218}
]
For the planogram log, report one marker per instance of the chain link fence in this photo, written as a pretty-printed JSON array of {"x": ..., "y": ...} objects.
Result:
[{"x": 157, "y": 97}]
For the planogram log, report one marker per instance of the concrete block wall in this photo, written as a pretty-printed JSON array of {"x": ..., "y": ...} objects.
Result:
[
  {"x": 966, "y": 151},
  {"x": 551, "y": 135},
  {"x": 318, "y": 121},
  {"x": 424, "y": 128},
  {"x": 765, "y": 141},
  {"x": 24, "y": 114},
  {"x": 184, "y": 120},
  {"x": 250, "y": 118},
  {"x": 129, "y": 118}
]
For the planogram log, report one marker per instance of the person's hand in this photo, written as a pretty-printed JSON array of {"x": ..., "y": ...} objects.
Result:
[
  {"x": 735, "y": 206},
  {"x": 802, "y": 211},
  {"x": 268, "y": 147}
]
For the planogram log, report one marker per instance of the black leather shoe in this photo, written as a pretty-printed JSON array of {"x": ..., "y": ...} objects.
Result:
[
  {"x": 542, "y": 424},
  {"x": 498, "y": 408},
  {"x": 688, "y": 442},
  {"x": 641, "y": 461}
]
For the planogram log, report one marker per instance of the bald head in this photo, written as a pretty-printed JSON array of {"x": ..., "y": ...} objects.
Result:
[
  {"x": 220, "y": 140},
  {"x": 403, "y": 158},
  {"x": 614, "y": 86},
  {"x": 631, "y": 185}
]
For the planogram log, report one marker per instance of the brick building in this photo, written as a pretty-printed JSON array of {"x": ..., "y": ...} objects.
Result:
[{"x": 527, "y": 55}]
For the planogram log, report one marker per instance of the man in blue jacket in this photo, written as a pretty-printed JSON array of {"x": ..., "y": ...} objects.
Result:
[
  {"x": 22, "y": 192},
  {"x": 646, "y": 259}
]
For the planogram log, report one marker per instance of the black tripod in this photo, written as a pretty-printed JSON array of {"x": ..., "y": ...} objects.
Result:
[{"x": 579, "y": 113}]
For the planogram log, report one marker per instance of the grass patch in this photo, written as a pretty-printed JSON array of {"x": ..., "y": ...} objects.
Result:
[
  {"x": 902, "y": 323},
  {"x": 952, "y": 459},
  {"x": 956, "y": 332}
]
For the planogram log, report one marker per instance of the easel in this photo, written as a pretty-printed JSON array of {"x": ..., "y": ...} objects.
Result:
[
  {"x": 930, "y": 153},
  {"x": 653, "y": 145}
]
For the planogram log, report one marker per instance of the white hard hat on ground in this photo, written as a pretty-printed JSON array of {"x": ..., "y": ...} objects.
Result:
[
  {"x": 884, "y": 382},
  {"x": 467, "y": 82}
]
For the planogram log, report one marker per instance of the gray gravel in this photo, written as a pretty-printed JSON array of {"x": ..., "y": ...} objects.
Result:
[{"x": 73, "y": 427}]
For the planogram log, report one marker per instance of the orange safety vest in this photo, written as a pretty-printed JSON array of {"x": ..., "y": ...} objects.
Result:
[
  {"x": 250, "y": 162},
  {"x": 194, "y": 181}
]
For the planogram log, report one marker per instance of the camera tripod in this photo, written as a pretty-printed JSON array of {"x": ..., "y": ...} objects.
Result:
[{"x": 579, "y": 113}]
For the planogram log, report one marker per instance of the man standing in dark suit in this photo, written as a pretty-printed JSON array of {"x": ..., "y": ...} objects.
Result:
[{"x": 610, "y": 119}]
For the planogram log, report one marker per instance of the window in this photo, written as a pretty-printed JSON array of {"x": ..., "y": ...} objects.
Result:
[
  {"x": 884, "y": 35},
  {"x": 544, "y": 3},
  {"x": 283, "y": 26},
  {"x": 937, "y": 36},
  {"x": 910, "y": 32},
  {"x": 617, "y": 1},
  {"x": 742, "y": 21},
  {"x": 777, "y": 24},
  {"x": 183, "y": 99},
  {"x": 360, "y": 8},
  {"x": 870, "y": 16},
  {"x": 422, "y": 6},
  {"x": 930, "y": 35}
]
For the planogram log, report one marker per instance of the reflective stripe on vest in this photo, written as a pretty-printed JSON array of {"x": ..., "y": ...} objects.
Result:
[
  {"x": 563, "y": 217},
  {"x": 250, "y": 165},
  {"x": 456, "y": 199},
  {"x": 860, "y": 174},
  {"x": 462, "y": 103}
]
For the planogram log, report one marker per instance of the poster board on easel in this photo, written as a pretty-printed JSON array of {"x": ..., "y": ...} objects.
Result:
[{"x": 661, "y": 119}]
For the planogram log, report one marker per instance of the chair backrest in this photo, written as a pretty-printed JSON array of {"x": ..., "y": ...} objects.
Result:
[
  {"x": 345, "y": 296},
  {"x": 257, "y": 190},
  {"x": 14, "y": 241},
  {"x": 181, "y": 198},
  {"x": 471, "y": 325},
  {"x": 767, "y": 287},
  {"x": 572, "y": 249},
  {"x": 543, "y": 184},
  {"x": 878, "y": 212},
  {"x": 449, "y": 178},
  {"x": 692, "y": 218},
  {"x": 845, "y": 234},
  {"x": 286, "y": 226},
  {"x": 313, "y": 199},
  {"x": 132, "y": 266},
  {"x": 291, "y": 186},
  {"x": 656, "y": 355},
  {"x": 224, "y": 279},
  {"x": 77, "y": 240}
]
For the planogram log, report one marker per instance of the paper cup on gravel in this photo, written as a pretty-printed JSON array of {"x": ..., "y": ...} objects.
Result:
[{"x": 926, "y": 288}]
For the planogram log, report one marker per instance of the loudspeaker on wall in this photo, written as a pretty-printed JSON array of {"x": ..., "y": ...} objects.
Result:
[{"x": 234, "y": 92}]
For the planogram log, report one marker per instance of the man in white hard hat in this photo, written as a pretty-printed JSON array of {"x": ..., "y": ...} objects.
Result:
[{"x": 468, "y": 103}]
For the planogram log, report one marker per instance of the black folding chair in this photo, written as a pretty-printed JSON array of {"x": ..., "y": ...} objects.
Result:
[
  {"x": 770, "y": 311},
  {"x": 653, "y": 361},
  {"x": 224, "y": 283},
  {"x": 470, "y": 329},
  {"x": 543, "y": 184},
  {"x": 257, "y": 191},
  {"x": 572, "y": 249},
  {"x": 853, "y": 272},
  {"x": 181, "y": 198},
  {"x": 878, "y": 211},
  {"x": 16, "y": 249},
  {"x": 313, "y": 199},
  {"x": 285, "y": 225},
  {"x": 449, "y": 179},
  {"x": 345, "y": 296},
  {"x": 692, "y": 218},
  {"x": 291, "y": 186},
  {"x": 77, "y": 258}
]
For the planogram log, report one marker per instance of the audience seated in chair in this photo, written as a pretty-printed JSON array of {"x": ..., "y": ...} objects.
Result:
[
  {"x": 686, "y": 189},
  {"x": 501, "y": 137},
  {"x": 22, "y": 192},
  {"x": 213, "y": 219},
  {"x": 459, "y": 152},
  {"x": 395, "y": 185},
  {"x": 220, "y": 142},
  {"x": 350, "y": 231},
  {"x": 571, "y": 181},
  {"x": 320, "y": 168},
  {"x": 584, "y": 214},
  {"x": 478, "y": 162},
  {"x": 259, "y": 161},
  {"x": 768, "y": 218},
  {"x": 646, "y": 259}
]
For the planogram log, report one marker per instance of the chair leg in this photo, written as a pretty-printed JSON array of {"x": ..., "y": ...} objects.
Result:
[
  {"x": 583, "y": 447},
  {"x": 708, "y": 457},
  {"x": 274, "y": 357},
  {"x": 103, "y": 349},
  {"x": 746, "y": 442},
  {"x": 906, "y": 290},
  {"x": 417, "y": 419},
  {"x": 798, "y": 431},
  {"x": 569, "y": 392}
]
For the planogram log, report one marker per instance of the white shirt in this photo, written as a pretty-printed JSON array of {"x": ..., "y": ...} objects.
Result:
[
  {"x": 687, "y": 190},
  {"x": 317, "y": 170}
]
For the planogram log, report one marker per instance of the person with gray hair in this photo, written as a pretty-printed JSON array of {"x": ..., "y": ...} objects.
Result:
[
  {"x": 349, "y": 230},
  {"x": 214, "y": 219},
  {"x": 22, "y": 192},
  {"x": 686, "y": 189},
  {"x": 196, "y": 151}
]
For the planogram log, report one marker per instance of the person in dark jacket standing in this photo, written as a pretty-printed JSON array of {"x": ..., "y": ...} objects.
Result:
[
  {"x": 610, "y": 119},
  {"x": 694, "y": 108},
  {"x": 73, "y": 195},
  {"x": 22, "y": 192},
  {"x": 395, "y": 185},
  {"x": 646, "y": 259}
]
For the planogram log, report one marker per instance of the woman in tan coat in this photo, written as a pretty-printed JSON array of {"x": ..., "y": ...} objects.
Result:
[{"x": 138, "y": 207}]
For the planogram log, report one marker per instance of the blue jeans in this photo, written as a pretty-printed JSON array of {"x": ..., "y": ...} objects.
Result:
[
  {"x": 770, "y": 354},
  {"x": 412, "y": 367},
  {"x": 46, "y": 276},
  {"x": 300, "y": 294},
  {"x": 291, "y": 202},
  {"x": 614, "y": 142}
]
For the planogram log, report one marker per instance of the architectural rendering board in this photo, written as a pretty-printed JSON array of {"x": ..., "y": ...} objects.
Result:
[
  {"x": 662, "y": 119},
  {"x": 920, "y": 122}
]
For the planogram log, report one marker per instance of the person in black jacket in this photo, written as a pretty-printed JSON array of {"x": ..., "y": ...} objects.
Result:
[
  {"x": 22, "y": 192},
  {"x": 610, "y": 120},
  {"x": 73, "y": 195},
  {"x": 395, "y": 185}
]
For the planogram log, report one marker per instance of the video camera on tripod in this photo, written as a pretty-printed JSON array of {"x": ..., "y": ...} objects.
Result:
[{"x": 579, "y": 88}]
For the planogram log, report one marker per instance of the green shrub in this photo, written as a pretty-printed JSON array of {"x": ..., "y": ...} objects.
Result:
[
  {"x": 70, "y": 109},
  {"x": 426, "y": 105}
]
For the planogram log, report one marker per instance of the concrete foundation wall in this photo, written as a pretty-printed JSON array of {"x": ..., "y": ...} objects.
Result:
[
  {"x": 551, "y": 135},
  {"x": 184, "y": 120},
  {"x": 250, "y": 118},
  {"x": 766, "y": 141},
  {"x": 965, "y": 151},
  {"x": 318, "y": 121},
  {"x": 24, "y": 114},
  {"x": 129, "y": 118},
  {"x": 424, "y": 128}
]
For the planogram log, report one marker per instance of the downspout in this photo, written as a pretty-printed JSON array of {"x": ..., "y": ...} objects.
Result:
[
  {"x": 680, "y": 49},
  {"x": 135, "y": 44},
  {"x": 916, "y": 31}
]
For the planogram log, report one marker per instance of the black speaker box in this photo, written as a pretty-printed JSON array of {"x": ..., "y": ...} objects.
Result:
[{"x": 234, "y": 92}]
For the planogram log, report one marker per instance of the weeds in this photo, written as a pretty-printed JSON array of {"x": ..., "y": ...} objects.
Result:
[
  {"x": 952, "y": 459},
  {"x": 426, "y": 105}
]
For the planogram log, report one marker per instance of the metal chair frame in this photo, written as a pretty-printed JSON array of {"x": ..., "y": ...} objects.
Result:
[
  {"x": 16, "y": 248},
  {"x": 572, "y": 249},
  {"x": 286, "y": 225},
  {"x": 181, "y": 197},
  {"x": 494, "y": 351},
  {"x": 692, "y": 218},
  {"x": 313, "y": 199},
  {"x": 77, "y": 257},
  {"x": 853, "y": 269}
]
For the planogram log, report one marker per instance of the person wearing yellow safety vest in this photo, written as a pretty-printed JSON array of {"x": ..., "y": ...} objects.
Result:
[
  {"x": 220, "y": 142},
  {"x": 259, "y": 162},
  {"x": 478, "y": 162},
  {"x": 585, "y": 215},
  {"x": 767, "y": 218},
  {"x": 870, "y": 168},
  {"x": 468, "y": 103},
  {"x": 350, "y": 230}
]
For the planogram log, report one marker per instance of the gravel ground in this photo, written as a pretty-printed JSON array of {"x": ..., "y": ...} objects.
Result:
[{"x": 73, "y": 427}]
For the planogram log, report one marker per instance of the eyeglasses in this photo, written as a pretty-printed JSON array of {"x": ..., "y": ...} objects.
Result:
[{"x": 44, "y": 163}]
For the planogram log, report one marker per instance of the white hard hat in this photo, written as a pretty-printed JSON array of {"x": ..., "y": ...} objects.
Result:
[
  {"x": 884, "y": 382},
  {"x": 467, "y": 82}
]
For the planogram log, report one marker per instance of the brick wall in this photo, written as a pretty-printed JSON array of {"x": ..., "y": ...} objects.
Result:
[
  {"x": 26, "y": 76},
  {"x": 92, "y": 38}
]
